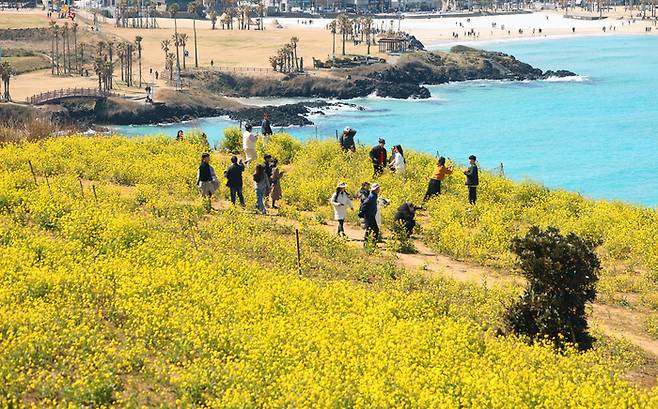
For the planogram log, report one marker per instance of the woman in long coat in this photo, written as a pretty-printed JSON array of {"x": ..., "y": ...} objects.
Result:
[{"x": 275, "y": 193}]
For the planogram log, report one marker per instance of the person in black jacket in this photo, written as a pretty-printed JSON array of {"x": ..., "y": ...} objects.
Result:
[
  {"x": 266, "y": 128},
  {"x": 472, "y": 179},
  {"x": 368, "y": 211},
  {"x": 405, "y": 217},
  {"x": 347, "y": 140},
  {"x": 206, "y": 178},
  {"x": 234, "y": 179},
  {"x": 378, "y": 157}
]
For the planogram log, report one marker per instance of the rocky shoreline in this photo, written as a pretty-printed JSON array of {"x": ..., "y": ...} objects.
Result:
[{"x": 209, "y": 92}]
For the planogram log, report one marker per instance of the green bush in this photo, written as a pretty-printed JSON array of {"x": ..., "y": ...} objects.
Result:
[
  {"x": 232, "y": 141},
  {"x": 282, "y": 146},
  {"x": 562, "y": 272},
  {"x": 199, "y": 138}
]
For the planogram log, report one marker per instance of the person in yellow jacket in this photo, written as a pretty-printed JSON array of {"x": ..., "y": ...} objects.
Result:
[{"x": 440, "y": 172}]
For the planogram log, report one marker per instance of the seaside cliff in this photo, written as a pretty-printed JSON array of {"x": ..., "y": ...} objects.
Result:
[{"x": 207, "y": 93}]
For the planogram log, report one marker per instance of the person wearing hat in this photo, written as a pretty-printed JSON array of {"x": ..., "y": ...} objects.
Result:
[
  {"x": 340, "y": 201},
  {"x": 249, "y": 144},
  {"x": 378, "y": 157},
  {"x": 472, "y": 179},
  {"x": 369, "y": 212},
  {"x": 347, "y": 140}
]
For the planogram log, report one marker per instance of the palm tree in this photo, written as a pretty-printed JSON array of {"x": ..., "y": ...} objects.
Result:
[
  {"x": 193, "y": 8},
  {"x": 99, "y": 67},
  {"x": 6, "y": 71},
  {"x": 121, "y": 52},
  {"x": 261, "y": 7},
  {"x": 182, "y": 38},
  {"x": 138, "y": 41},
  {"x": 173, "y": 10},
  {"x": 345, "y": 27},
  {"x": 332, "y": 27},
  {"x": 165, "y": 44},
  {"x": 367, "y": 29},
  {"x": 53, "y": 30},
  {"x": 57, "y": 35},
  {"x": 169, "y": 64},
  {"x": 293, "y": 44},
  {"x": 74, "y": 28}
]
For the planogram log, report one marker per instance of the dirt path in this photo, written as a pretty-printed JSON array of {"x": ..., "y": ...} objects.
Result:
[{"x": 614, "y": 321}]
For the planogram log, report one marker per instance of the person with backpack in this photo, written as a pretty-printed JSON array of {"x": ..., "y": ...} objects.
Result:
[
  {"x": 233, "y": 177},
  {"x": 206, "y": 178},
  {"x": 440, "y": 172},
  {"x": 378, "y": 157},
  {"x": 346, "y": 140},
  {"x": 340, "y": 201},
  {"x": 363, "y": 194},
  {"x": 472, "y": 179},
  {"x": 368, "y": 211}
]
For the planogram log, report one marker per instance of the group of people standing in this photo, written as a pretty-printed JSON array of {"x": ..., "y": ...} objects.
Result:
[
  {"x": 369, "y": 195},
  {"x": 267, "y": 181},
  {"x": 266, "y": 176}
]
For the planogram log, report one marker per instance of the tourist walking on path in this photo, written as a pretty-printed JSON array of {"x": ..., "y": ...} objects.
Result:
[
  {"x": 234, "y": 179},
  {"x": 261, "y": 184},
  {"x": 472, "y": 179},
  {"x": 206, "y": 178},
  {"x": 340, "y": 201},
  {"x": 363, "y": 194},
  {"x": 249, "y": 144},
  {"x": 266, "y": 128},
  {"x": 368, "y": 211},
  {"x": 275, "y": 193},
  {"x": 179, "y": 135},
  {"x": 397, "y": 164},
  {"x": 346, "y": 140},
  {"x": 378, "y": 157},
  {"x": 440, "y": 172},
  {"x": 405, "y": 217}
]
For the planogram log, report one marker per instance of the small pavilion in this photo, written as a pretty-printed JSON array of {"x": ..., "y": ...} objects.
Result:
[{"x": 393, "y": 45}]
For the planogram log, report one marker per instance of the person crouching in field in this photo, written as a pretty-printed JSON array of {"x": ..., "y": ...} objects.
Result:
[
  {"x": 472, "y": 179},
  {"x": 440, "y": 172},
  {"x": 249, "y": 144},
  {"x": 368, "y": 211},
  {"x": 405, "y": 217},
  {"x": 346, "y": 140},
  {"x": 261, "y": 184},
  {"x": 340, "y": 201},
  {"x": 206, "y": 178},
  {"x": 233, "y": 177}
]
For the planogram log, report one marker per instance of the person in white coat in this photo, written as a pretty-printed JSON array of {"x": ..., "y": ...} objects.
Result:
[
  {"x": 249, "y": 144},
  {"x": 340, "y": 201},
  {"x": 397, "y": 164}
]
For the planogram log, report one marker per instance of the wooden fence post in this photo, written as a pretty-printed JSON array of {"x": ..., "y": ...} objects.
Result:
[
  {"x": 34, "y": 176},
  {"x": 299, "y": 253}
]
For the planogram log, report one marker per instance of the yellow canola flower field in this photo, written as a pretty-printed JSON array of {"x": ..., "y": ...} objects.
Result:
[{"x": 136, "y": 296}]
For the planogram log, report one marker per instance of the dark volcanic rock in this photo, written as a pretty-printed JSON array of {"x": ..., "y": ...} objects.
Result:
[
  {"x": 558, "y": 74},
  {"x": 283, "y": 115}
]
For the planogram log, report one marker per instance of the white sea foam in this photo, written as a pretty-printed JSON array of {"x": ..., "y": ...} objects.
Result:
[{"x": 575, "y": 78}]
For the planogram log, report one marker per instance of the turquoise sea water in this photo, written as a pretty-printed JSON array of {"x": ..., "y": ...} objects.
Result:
[{"x": 597, "y": 135}]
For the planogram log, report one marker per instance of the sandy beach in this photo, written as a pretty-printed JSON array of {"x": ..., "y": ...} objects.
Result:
[{"x": 252, "y": 48}]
